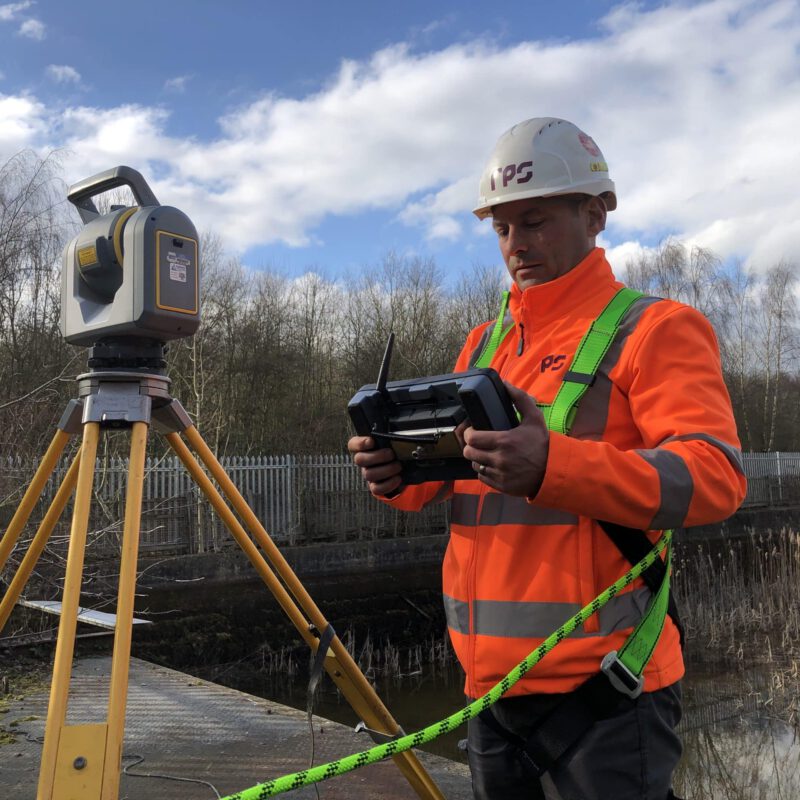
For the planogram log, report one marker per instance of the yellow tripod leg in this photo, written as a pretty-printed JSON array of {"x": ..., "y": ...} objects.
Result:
[
  {"x": 338, "y": 662},
  {"x": 62, "y": 769},
  {"x": 31, "y": 496},
  {"x": 242, "y": 539},
  {"x": 120, "y": 659},
  {"x": 38, "y": 543}
]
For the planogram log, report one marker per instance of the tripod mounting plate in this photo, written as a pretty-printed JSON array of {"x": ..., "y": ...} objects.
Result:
[{"x": 117, "y": 399}]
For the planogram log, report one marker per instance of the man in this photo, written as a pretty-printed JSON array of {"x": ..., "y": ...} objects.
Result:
[{"x": 651, "y": 445}]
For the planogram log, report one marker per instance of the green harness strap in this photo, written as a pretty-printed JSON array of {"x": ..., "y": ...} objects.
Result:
[
  {"x": 499, "y": 332},
  {"x": 582, "y": 371},
  {"x": 560, "y": 414},
  {"x": 624, "y": 667}
]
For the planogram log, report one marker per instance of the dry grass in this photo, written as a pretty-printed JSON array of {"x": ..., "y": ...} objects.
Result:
[
  {"x": 741, "y": 597},
  {"x": 740, "y": 603}
]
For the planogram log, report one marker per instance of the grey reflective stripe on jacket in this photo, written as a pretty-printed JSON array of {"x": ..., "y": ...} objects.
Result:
[
  {"x": 503, "y": 509},
  {"x": 515, "y": 619},
  {"x": 733, "y": 454},
  {"x": 508, "y": 322},
  {"x": 675, "y": 479},
  {"x": 676, "y": 487}
]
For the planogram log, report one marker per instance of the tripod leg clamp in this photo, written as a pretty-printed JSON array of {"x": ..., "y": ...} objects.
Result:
[{"x": 377, "y": 736}]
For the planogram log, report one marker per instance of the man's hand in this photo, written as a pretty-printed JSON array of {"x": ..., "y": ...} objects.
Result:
[
  {"x": 512, "y": 461},
  {"x": 380, "y": 468}
]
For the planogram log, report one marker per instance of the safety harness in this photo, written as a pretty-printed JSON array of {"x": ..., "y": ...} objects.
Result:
[{"x": 620, "y": 680}]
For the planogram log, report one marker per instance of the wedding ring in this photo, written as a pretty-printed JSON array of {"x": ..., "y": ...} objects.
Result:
[{"x": 482, "y": 469}]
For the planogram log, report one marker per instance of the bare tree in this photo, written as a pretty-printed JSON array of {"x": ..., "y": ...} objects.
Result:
[
  {"x": 33, "y": 357},
  {"x": 691, "y": 275},
  {"x": 737, "y": 344},
  {"x": 476, "y": 298},
  {"x": 777, "y": 320}
]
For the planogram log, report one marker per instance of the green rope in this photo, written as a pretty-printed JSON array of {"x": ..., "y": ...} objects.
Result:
[{"x": 349, "y": 763}]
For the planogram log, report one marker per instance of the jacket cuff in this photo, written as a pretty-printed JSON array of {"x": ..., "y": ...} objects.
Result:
[{"x": 554, "y": 484}]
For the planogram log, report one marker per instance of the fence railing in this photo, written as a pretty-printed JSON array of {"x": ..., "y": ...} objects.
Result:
[
  {"x": 299, "y": 500},
  {"x": 773, "y": 479}
]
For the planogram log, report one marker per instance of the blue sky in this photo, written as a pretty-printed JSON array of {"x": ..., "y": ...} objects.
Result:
[{"x": 322, "y": 135}]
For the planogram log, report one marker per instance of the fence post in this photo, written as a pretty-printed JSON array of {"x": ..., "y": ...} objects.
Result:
[
  {"x": 290, "y": 506},
  {"x": 780, "y": 482}
]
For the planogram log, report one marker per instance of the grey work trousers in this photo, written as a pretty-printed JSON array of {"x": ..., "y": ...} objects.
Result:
[{"x": 629, "y": 756}]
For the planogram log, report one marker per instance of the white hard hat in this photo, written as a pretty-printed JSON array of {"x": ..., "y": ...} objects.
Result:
[{"x": 544, "y": 157}]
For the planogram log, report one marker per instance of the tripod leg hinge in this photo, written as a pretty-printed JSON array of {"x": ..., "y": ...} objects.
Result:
[
  {"x": 171, "y": 418},
  {"x": 70, "y": 421}
]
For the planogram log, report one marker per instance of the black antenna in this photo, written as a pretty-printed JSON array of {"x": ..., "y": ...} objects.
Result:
[{"x": 383, "y": 372}]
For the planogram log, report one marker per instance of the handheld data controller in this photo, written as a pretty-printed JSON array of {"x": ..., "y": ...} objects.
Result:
[{"x": 417, "y": 418}]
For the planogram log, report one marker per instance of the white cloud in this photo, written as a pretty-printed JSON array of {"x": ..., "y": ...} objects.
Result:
[
  {"x": 61, "y": 73},
  {"x": 32, "y": 29},
  {"x": 22, "y": 124},
  {"x": 695, "y": 105},
  {"x": 11, "y": 11},
  {"x": 437, "y": 211},
  {"x": 177, "y": 84},
  {"x": 619, "y": 255}
]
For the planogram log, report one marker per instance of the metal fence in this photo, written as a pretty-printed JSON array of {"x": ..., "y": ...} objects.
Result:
[
  {"x": 300, "y": 500},
  {"x": 773, "y": 479}
]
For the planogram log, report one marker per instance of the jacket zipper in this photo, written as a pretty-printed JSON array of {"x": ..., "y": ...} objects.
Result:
[
  {"x": 473, "y": 570},
  {"x": 472, "y": 594},
  {"x": 521, "y": 345}
]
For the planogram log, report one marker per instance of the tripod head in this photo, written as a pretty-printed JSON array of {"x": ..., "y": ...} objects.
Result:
[{"x": 131, "y": 275}]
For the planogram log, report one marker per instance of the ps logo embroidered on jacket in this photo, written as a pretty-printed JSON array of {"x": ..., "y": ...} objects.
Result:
[{"x": 552, "y": 362}]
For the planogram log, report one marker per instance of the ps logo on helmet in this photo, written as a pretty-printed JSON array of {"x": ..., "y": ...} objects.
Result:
[{"x": 511, "y": 171}]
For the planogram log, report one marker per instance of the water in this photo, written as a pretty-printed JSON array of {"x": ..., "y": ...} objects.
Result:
[
  {"x": 739, "y": 730},
  {"x": 415, "y": 701},
  {"x": 734, "y": 749},
  {"x": 734, "y": 746}
]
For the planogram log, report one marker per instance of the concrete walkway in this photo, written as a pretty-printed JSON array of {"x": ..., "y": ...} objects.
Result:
[{"x": 189, "y": 728}]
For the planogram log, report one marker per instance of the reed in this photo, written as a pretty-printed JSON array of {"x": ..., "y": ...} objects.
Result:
[
  {"x": 383, "y": 659},
  {"x": 740, "y": 598},
  {"x": 740, "y": 604}
]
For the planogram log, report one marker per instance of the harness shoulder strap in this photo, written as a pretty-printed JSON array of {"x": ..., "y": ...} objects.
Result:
[
  {"x": 634, "y": 546},
  {"x": 581, "y": 373},
  {"x": 501, "y": 329},
  {"x": 583, "y": 369}
]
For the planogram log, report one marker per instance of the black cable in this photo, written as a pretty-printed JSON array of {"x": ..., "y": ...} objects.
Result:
[{"x": 140, "y": 759}]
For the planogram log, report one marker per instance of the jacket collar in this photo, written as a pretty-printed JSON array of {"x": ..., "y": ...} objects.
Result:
[{"x": 591, "y": 279}]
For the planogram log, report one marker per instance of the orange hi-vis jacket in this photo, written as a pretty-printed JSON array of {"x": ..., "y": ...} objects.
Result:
[{"x": 653, "y": 446}]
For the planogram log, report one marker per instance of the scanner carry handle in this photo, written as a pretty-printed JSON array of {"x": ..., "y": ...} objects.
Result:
[{"x": 81, "y": 193}]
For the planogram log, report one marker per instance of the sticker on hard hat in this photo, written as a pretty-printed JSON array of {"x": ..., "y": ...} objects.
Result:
[
  {"x": 598, "y": 166},
  {"x": 511, "y": 171},
  {"x": 589, "y": 145}
]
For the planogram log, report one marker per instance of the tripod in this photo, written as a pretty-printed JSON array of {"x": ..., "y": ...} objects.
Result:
[{"x": 85, "y": 760}]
